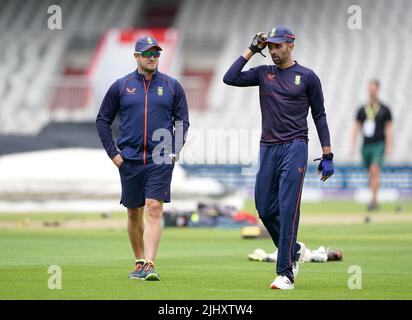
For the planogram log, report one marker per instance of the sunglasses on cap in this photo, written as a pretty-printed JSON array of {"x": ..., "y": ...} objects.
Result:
[{"x": 148, "y": 54}]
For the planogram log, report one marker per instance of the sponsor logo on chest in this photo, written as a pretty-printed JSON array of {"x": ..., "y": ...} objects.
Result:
[
  {"x": 270, "y": 76},
  {"x": 131, "y": 90}
]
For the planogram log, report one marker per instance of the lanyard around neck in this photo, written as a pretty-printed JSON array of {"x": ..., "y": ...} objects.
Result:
[{"x": 372, "y": 110}]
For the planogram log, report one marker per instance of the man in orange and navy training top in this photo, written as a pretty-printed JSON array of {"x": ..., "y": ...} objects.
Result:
[{"x": 286, "y": 90}]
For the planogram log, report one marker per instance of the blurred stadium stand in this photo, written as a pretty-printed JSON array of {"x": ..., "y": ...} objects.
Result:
[
  {"x": 54, "y": 135},
  {"x": 42, "y": 69}
]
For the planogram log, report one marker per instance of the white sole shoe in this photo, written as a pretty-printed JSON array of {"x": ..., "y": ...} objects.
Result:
[
  {"x": 295, "y": 265},
  {"x": 282, "y": 283}
]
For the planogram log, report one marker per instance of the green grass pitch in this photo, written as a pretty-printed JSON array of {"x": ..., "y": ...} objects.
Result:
[{"x": 205, "y": 264}]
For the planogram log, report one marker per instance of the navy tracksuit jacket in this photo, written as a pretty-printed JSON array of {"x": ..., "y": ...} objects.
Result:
[{"x": 144, "y": 106}]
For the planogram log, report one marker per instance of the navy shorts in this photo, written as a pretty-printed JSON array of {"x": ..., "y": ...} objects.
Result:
[{"x": 142, "y": 181}]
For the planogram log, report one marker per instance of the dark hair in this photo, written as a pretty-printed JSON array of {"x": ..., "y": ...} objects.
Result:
[{"x": 376, "y": 82}]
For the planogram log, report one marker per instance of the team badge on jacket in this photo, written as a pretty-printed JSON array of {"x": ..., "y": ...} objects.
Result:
[
  {"x": 160, "y": 91},
  {"x": 297, "y": 80},
  {"x": 131, "y": 91}
]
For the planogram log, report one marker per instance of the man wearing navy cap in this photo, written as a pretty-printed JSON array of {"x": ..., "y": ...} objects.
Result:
[
  {"x": 153, "y": 124},
  {"x": 286, "y": 91}
]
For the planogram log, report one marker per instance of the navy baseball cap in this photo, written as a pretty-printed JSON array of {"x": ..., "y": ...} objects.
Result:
[
  {"x": 280, "y": 34},
  {"x": 145, "y": 43}
]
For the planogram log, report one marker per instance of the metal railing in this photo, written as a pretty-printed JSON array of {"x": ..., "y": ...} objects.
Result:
[{"x": 346, "y": 177}]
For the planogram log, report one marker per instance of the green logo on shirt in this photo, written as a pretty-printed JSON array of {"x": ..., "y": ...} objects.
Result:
[
  {"x": 297, "y": 80},
  {"x": 160, "y": 91}
]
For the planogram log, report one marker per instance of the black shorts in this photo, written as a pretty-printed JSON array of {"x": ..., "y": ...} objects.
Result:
[{"x": 143, "y": 181}]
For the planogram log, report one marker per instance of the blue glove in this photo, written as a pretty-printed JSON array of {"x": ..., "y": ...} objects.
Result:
[{"x": 325, "y": 167}]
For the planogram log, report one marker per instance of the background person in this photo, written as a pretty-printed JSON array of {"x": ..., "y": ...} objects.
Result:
[{"x": 374, "y": 120}]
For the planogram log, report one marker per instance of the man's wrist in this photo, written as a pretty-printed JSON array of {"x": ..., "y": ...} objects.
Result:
[
  {"x": 114, "y": 155},
  {"x": 328, "y": 156},
  {"x": 248, "y": 54}
]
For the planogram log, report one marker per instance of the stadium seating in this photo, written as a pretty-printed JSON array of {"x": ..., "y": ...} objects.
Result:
[{"x": 32, "y": 56}]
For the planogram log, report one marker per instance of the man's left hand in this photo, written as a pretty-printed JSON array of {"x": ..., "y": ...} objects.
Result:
[{"x": 326, "y": 168}]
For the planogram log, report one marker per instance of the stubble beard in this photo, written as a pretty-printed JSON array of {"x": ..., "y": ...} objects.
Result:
[{"x": 148, "y": 69}]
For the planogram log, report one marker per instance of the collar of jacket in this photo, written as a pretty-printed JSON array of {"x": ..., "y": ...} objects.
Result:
[{"x": 140, "y": 76}]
